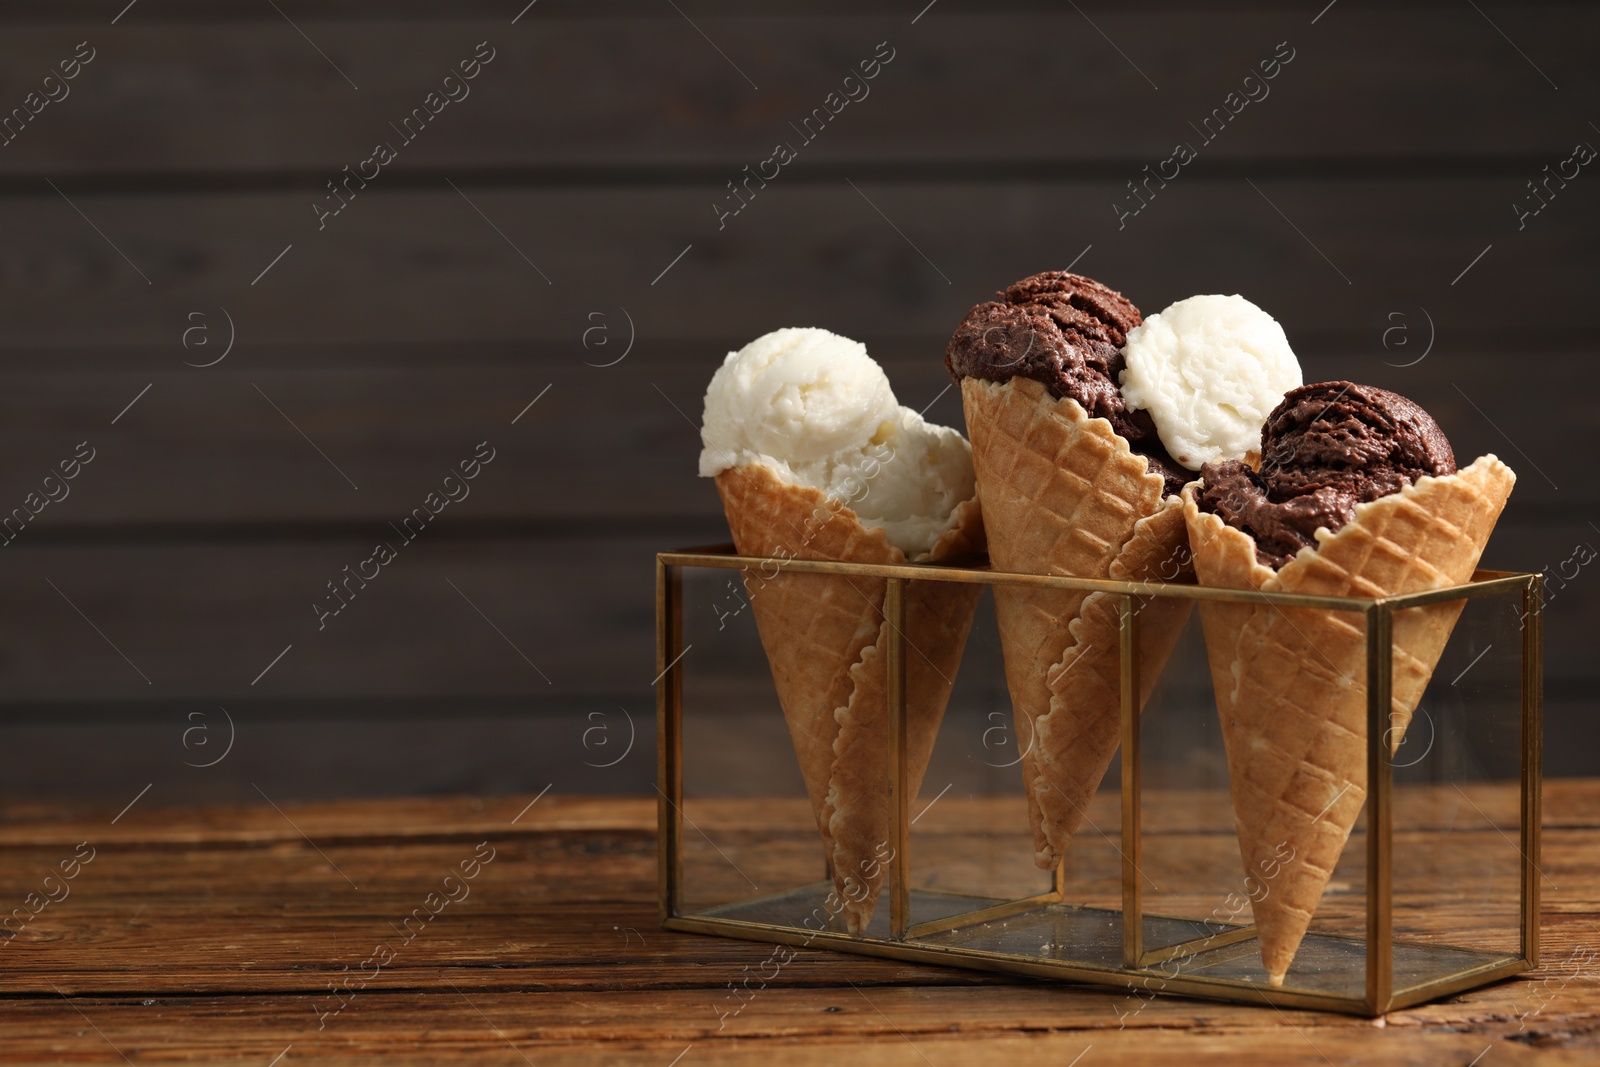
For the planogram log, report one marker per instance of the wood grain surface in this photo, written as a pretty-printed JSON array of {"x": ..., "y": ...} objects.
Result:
[
  {"x": 197, "y": 89},
  {"x": 551, "y": 240},
  {"x": 211, "y": 934}
]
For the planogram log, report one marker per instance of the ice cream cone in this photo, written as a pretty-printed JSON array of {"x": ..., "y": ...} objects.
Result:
[
  {"x": 826, "y": 640},
  {"x": 1063, "y": 494},
  {"x": 1291, "y": 682}
]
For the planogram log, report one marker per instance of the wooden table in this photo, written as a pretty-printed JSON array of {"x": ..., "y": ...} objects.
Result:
[{"x": 214, "y": 935}]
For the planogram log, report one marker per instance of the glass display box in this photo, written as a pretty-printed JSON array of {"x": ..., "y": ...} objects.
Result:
[{"x": 1436, "y": 890}]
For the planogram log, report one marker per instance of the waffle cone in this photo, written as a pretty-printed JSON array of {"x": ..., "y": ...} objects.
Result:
[
  {"x": 826, "y": 641},
  {"x": 1063, "y": 494},
  {"x": 1291, "y": 682}
]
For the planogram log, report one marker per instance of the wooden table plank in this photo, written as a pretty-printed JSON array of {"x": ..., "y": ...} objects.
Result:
[
  {"x": 1570, "y": 803},
  {"x": 913, "y": 1028},
  {"x": 184, "y": 904},
  {"x": 554, "y": 955}
]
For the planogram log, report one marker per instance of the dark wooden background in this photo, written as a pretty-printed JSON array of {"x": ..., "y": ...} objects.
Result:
[{"x": 457, "y": 288}]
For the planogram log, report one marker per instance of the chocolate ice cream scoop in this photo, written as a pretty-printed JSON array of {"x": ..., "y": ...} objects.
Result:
[
  {"x": 1326, "y": 448},
  {"x": 1067, "y": 332}
]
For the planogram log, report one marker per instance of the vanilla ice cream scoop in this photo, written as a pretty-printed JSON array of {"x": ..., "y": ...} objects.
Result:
[
  {"x": 1209, "y": 369},
  {"x": 815, "y": 408},
  {"x": 795, "y": 395}
]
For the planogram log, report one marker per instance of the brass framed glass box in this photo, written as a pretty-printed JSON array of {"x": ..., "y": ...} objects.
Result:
[{"x": 1437, "y": 890}]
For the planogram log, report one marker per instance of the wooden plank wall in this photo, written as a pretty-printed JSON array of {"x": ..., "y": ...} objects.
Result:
[{"x": 169, "y": 201}]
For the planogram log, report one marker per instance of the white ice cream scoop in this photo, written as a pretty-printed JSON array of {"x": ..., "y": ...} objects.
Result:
[
  {"x": 796, "y": 395},
  {"x": 1209, "y": 370},
  {"x": 814, "y": 407}
]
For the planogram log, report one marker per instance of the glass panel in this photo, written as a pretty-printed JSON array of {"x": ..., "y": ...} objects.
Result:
[
  {"x": 748, "y": 826},
  {"x": 753, "y": 847},
  {"x": 1189, "y": 855},
  {"x": 1457, "y": 810},
  {"x": 970, "y": 836},
  {"x": 1288, "y": 747},
  {"x": 993, "y": 746}
]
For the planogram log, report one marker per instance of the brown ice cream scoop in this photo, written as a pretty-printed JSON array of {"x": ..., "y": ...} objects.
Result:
[
  {"x": 1066, "y": 332},
  {"x": 1326, "y": 448}
]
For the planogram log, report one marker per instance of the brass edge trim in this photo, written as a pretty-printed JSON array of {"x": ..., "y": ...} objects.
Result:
[
  {"x": 1532, "y": 763},
  {"x": 1195, "y": 947},
  {"x": 894, "y": 614},
  {"x": 727, "y": 548},
  {"x": 982, "y": 915},
  {"x": 1401, "y": 942},
  {"x": 975, "y": 576},
  {"x": 669, "y": 735},
  {"x": 1226, "y": 989},
  {"x": 748, "y": 930},
  {"x": 1484, "y": 583},
  {"x": 1349, "y": 939},
  {"x": 1380, "y": 799},
  {"x": 1471, "y": 978},
  {"x": 1470, "y": 591},
  {"x": 1132, "y": 886}
]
